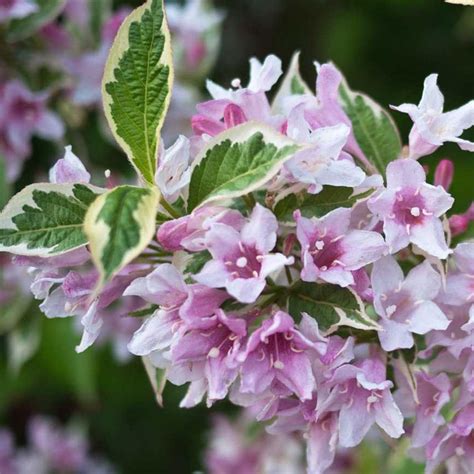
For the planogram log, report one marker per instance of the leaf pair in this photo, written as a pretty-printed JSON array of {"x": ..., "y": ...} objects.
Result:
[{"x": 45, "y": 220}]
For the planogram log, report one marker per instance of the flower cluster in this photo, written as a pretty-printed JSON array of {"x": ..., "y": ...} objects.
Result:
[
  {"x": 301, "y": 264},
  {"x": 50, "y": 448}
]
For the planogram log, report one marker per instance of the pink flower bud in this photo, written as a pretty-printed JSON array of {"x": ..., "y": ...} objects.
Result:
[
  {"x": 458, "y": 224},
  {"x": 288, "y": 244},
  {"x": 444, "y": 174},
  {"x": 234, "y": 115},
  {"x": 470, "y": 212}
]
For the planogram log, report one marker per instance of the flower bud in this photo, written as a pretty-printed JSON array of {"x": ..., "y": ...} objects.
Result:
[
  {"x": 288, "y": 244},
  {"x": 458, "y": 224},
  {"x": 444, "y": 174},
  {"x": 233, "y": 115}
]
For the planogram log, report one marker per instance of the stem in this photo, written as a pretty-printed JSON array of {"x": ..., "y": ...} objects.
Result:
[
  {"x": 288, "y": 275},
  {"x": 271, "y": 283},
  {"x": 150, "y": 261},
  {"x": 249, "y": 200},
  {"x": 269, "y": 301},
  {"x": 169, "y": 208},
  {"x": 155, "y": 247}
]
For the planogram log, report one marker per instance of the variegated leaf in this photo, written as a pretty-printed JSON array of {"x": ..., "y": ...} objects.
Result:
[
  {"x": 136, "y": 86},
  {"x": 119, "y": 225},
  {"x": 373, "y": 127},
  {"x": 46, "y": 219},
  {"x": 236, "y": 162},
  {"x": 331, "y": 306}
]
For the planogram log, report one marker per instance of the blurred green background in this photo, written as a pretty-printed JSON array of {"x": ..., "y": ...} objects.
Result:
[{"x": 385, "y": 48}]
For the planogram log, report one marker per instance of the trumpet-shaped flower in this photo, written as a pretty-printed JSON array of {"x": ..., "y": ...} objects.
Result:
[
  {"x": 69, "y": 169},
  {"x": 361, "y": 394},
  {"x": 189, "y": 232},
  {"x": 455, "y": 443},
  {"x": 165, "y": 286},
  {"x": 431, "y": 127},
  {"x": 406, "y": 304},
  {"x": 242, "y": 260},
  {"x": 411, "y": 209},
  {"x": 460, "y": 283},
  {"x": 321, "y": 163},
  {"x": 331, "y": 251},
  {"x": 277, "y": 351},
  {"x": 215, "y": 342},
  {"x": 173, "y": 172}
]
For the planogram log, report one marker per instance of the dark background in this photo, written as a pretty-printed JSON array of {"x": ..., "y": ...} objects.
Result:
[{"x": 385, "y": 48}]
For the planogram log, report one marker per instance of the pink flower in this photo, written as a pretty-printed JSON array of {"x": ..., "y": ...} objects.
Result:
[
  {"x": 277, "y": 351},
  {"x": 459, "y": 223},
  {"x": 174, "y": 171},
  {"x": 214, "y": 341},
  {"x": 321, "y": 162},
  {"x": 230, "y": 107},
  {"x": 362, "y": 396},
  {"x": 432, "y": 127},
  {"x": 179, "y": 303},
  {"x": 331, "y": 251},
  {"x": 411, "y": 209},
  {"x": 69, "y": 169},
  {"x": 242, "y": 260},
  {"x": 326, "y": 110},
  {"x": 194, "y": 27},
  {"x": 406, "y": 305},
  {"x": 321, "y": 433},
  {"x": 433, "y": 393},
  {"x": 64, "y": 451},
  {"x": 189, "y": 232},
  {"x": 460, "y": 282},
  {"x": 455, "y": 444},
  {"x": 444, "y": 174},
  {"x": 23, "y": 114}
]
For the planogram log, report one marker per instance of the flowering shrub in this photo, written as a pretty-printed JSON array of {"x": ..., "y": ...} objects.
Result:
[{"x": 288, "y": 255}]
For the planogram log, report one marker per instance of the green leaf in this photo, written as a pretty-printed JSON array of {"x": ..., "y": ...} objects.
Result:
[
  {"x": 47, "y": 10},
  {"x": 5, "y": 188},
  {"x": 237, "y": 162},
  {"x": 331, "y": 306},
  {"x": 46, "y": 219},
  {"x": 119, "y": 225},
  {"x": 157, "y": 378},
  {"x": 373, "y": 127},
  {"x": 137, "y": 83},
  {"x": 293, "y": 84},
  {"x": 196, "y": 262},
  {"x": 316, "y": 205}
]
